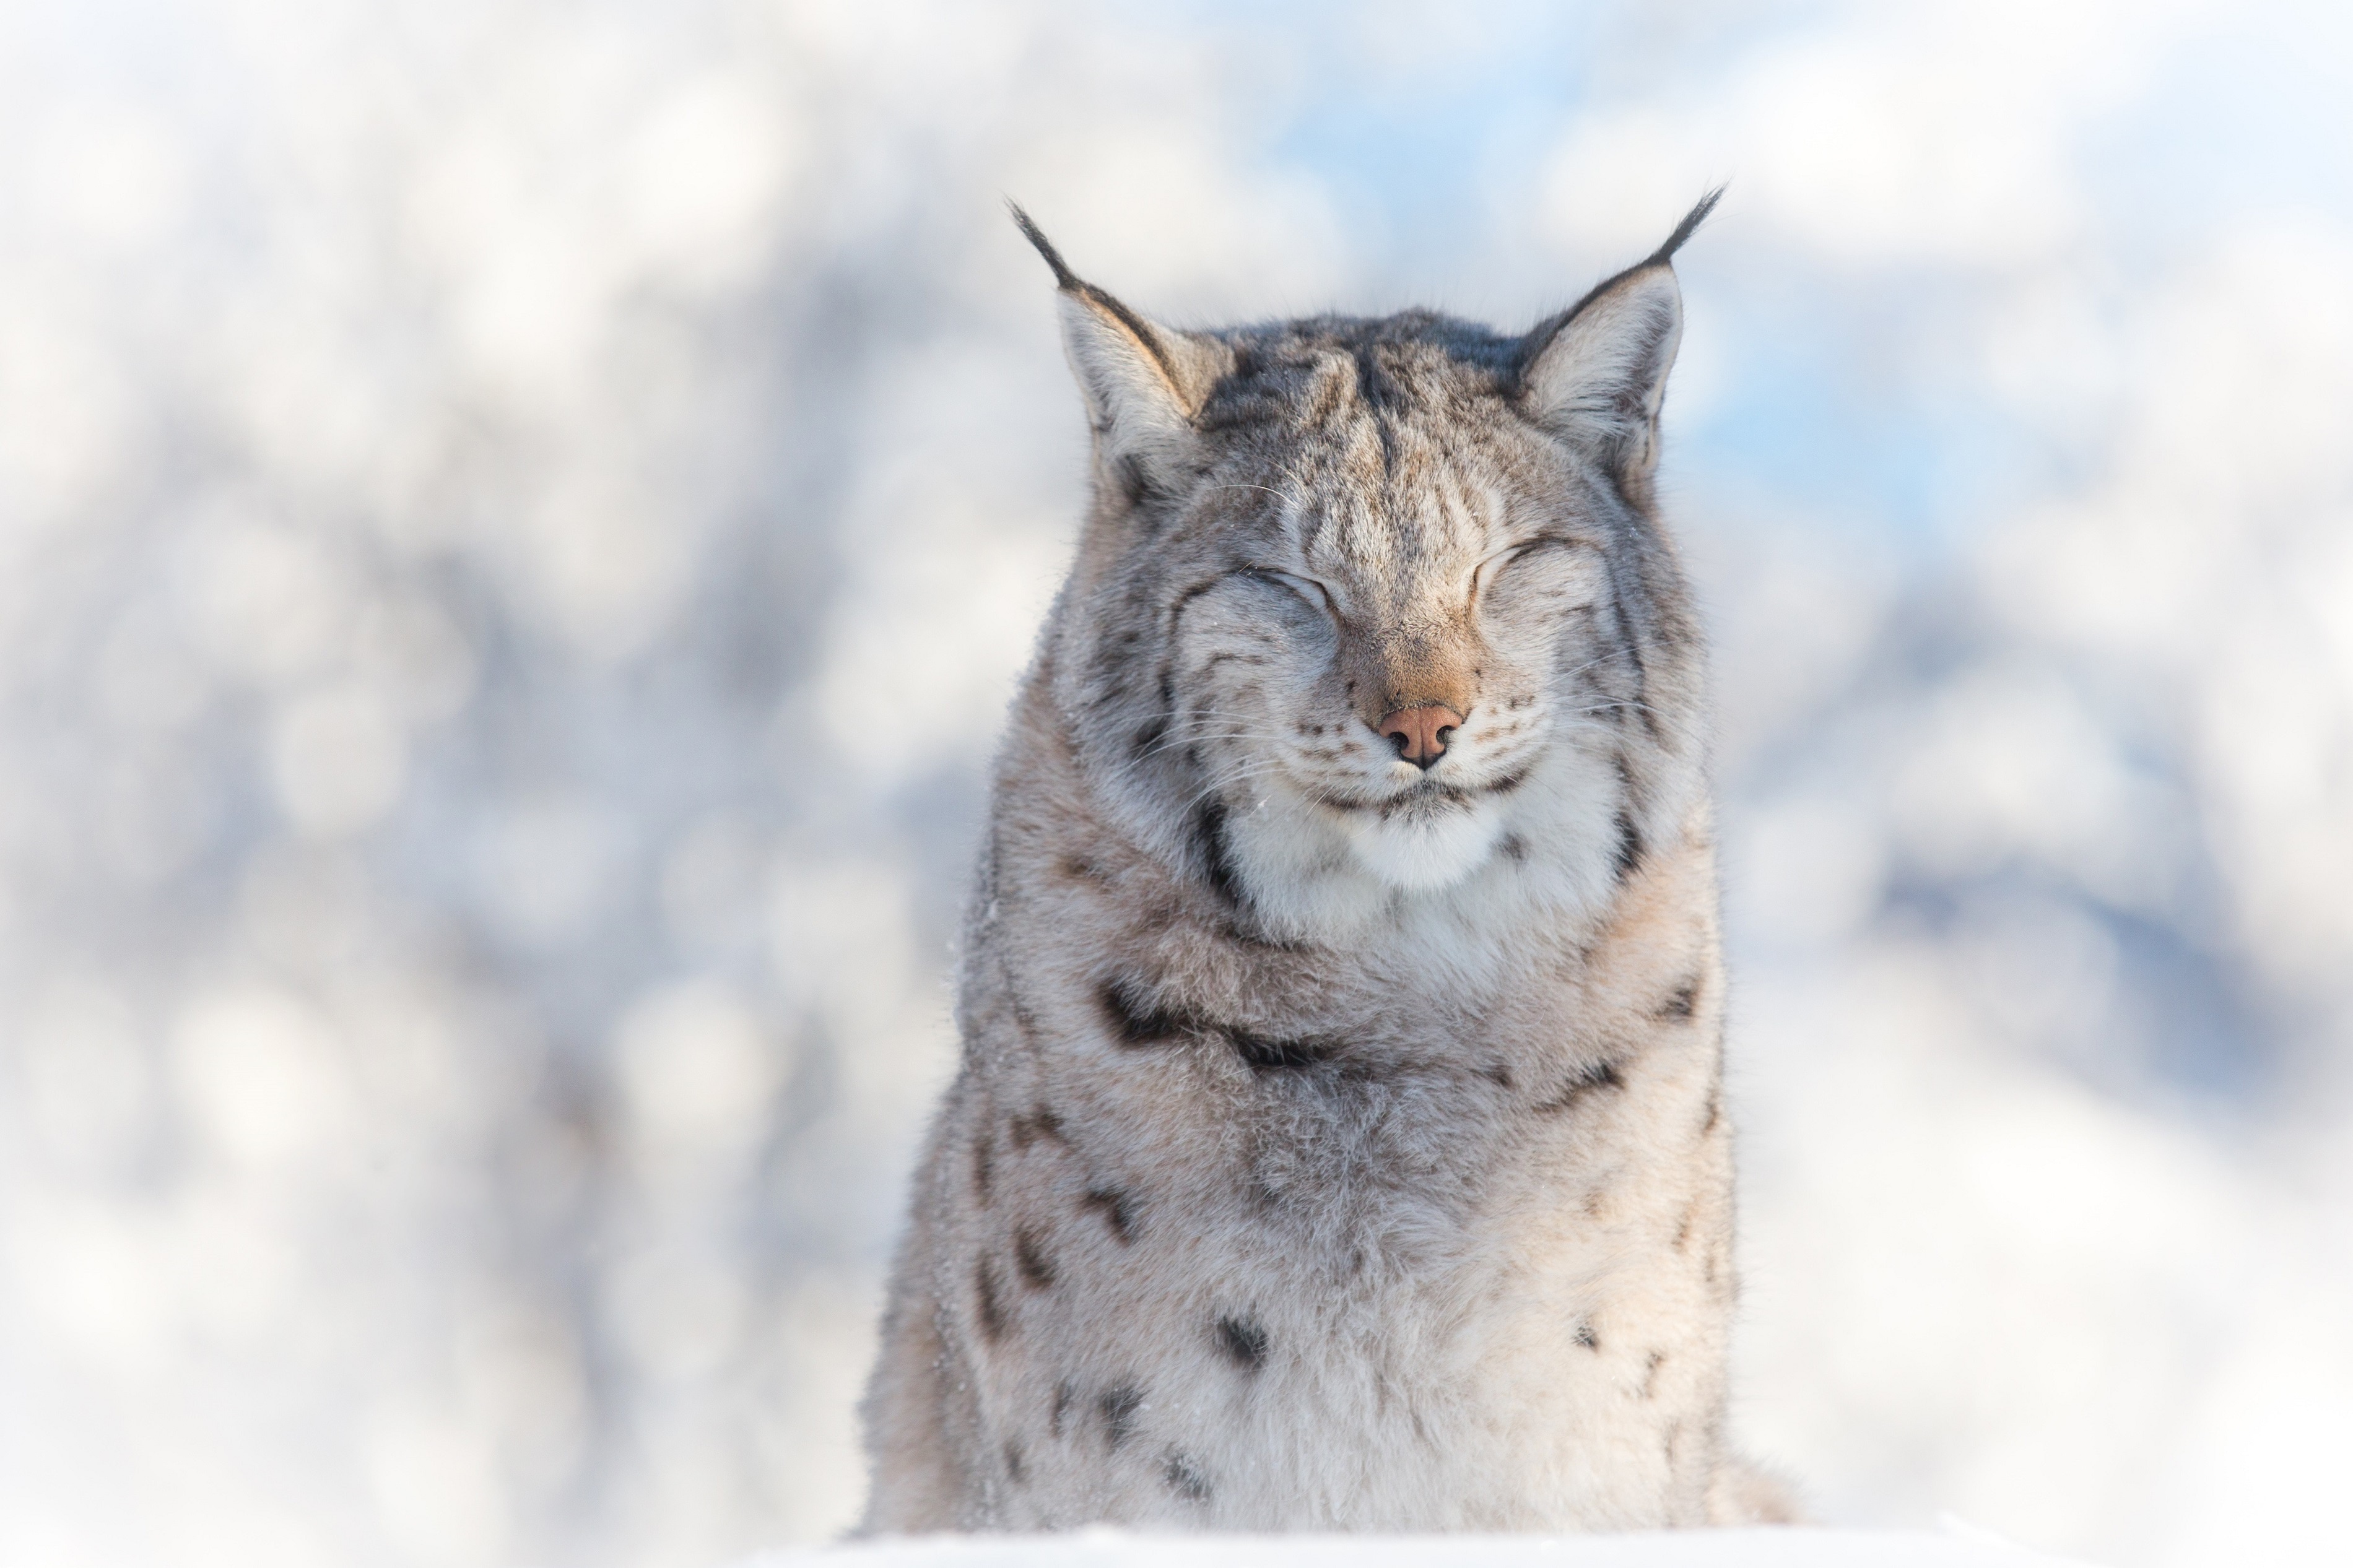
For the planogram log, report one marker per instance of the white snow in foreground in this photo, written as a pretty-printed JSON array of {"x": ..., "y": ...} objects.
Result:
[{"x": 1653, "y": 1549}]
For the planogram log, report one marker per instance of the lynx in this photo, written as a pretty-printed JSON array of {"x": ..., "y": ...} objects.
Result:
[{"x": 1339, "y": 1141}]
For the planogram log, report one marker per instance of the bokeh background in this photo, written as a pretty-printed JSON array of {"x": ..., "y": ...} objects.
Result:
[{"x": 518, "y": 522}]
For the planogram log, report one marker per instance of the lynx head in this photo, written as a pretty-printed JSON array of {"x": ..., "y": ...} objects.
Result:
[{"x": 1373, "y": 616}]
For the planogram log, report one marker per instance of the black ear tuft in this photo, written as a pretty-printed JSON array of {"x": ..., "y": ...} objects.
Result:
[
  {"x": 1064, "y": 277},
  {"x": 1683, "y": 230}
]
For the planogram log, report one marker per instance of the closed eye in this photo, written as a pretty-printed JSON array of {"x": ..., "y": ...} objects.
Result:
[
  {"x": 1494, "y": 565},
  {"x": 1307, "y": 588}
]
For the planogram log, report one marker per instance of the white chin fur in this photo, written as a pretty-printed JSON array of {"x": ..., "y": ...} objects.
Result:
[{"x": 1423, "y": 852}]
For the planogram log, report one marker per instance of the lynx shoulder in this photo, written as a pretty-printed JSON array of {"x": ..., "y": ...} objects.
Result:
[{"x": 1339, "y": 1141}]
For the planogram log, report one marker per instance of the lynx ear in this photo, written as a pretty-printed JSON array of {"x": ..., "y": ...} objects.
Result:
[
  {"x": 1142, "y": 382},
  {"x": 1596, "y": 373}
]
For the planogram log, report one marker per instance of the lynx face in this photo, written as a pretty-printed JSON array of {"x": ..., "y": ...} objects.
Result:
[
  {"x": 1457, "y": 585},
  {"x": 1373, "y": 614}
]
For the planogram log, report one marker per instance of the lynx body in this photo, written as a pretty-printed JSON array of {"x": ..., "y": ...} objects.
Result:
[{"x": 1339, "y": 1141}]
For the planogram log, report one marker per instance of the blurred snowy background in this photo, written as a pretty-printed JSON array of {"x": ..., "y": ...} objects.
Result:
[{"x": 517, "y": 521}]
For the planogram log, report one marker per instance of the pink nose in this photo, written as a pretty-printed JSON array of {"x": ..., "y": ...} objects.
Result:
[{"x": 1420, "y": 733}]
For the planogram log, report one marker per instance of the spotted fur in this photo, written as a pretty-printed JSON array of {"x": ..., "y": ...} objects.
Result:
[{"x": 1337, "y": 1144}]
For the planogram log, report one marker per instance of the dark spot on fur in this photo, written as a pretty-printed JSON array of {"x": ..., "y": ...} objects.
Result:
[
  {"x": 1217, "y": 857},
  {"x": 1040, "y": 1123},
  {"x": 1515, "y": 848},
  {"x": 1148, "y": 736},
  {"x": 1630, "y": 627},
  {"x": 1246, "y": 660},
  {"x": 1683, "y": 1227},
  {"x": 1118, "y": 1212},
  {"x": 1014, "y": 1469},
  {"x": 1184, "y": 1480},
  {"x": 1604, "y": 1076},
  {"x": 1029, "y": 1255},
  {"x": 1263, "y": 1055},
  {"x": 1642, "y": 707},
  {"x": 1243, "y": 1340},
  {"x": 1505, "y": 785},
  {"x": 1497, "y": 1074},
  {"x": 1375, "y": 387},
  {"x": 1079, "y": 869},
  {"x": 984, "y": 1168},
  {"x": 991, "y": 1310},
  {"x": 1133, "y": 1020},
  {"x": 1119, "y": 1406},
  {"x": 1111, "y": 674},
  {"x": 1136, "y": 1020},
  {"x": 1065, "y": 1395},
  {"x": 1585, "y": 1337},
  {"x": 1630, "y": 845},
  {"x": 1681, "y": 1003},
  {"x": 1715, "y": 1109},
  {"x": 1137, "y": 484},
  {"x": 1650, "y": 1366}
]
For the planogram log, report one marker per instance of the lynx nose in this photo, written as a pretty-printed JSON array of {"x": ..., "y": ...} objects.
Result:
[{"x": 1420, "y": 733}]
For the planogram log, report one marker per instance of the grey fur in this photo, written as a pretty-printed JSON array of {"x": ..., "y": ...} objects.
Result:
[{"x": 1338, "y": 1146}]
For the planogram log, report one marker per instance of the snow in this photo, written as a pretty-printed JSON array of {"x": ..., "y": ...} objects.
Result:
[{"x": 1805, "y": 1548}]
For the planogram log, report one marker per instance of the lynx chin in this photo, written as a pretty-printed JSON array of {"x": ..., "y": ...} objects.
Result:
[{"x": 1340, "y": 1143}]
